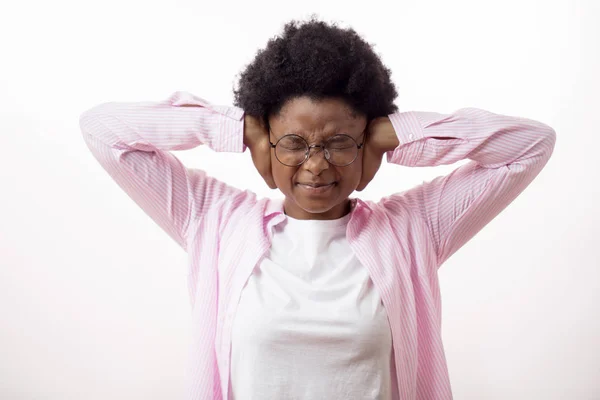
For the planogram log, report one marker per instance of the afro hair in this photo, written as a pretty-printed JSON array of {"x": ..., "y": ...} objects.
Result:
[{"x": 317, "y": 60}]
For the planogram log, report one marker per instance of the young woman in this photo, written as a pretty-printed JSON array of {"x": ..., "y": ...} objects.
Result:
[{"x": 317, "y": 296}]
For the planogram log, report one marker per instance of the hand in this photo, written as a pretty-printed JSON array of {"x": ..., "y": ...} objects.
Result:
[
  {"x": 256, "y": 137},
  {"x": 379, "y": 139}
]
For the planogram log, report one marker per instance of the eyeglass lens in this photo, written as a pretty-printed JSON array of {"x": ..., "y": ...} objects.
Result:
[{"x": 340, "y": 150}]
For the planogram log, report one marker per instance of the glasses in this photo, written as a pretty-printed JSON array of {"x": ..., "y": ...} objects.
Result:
[{"x": 293, "y": 150}]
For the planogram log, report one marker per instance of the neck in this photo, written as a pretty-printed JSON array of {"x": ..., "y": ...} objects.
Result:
[{"x": 338, "y": 211}]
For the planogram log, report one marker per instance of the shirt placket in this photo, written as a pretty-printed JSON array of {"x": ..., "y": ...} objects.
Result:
[{"x": 240, "y": 279}]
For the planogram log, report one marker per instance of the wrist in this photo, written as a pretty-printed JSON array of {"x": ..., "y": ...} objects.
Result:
[
  {"x": 254, "y": 130},
  {"x": 385, "y": 132},
  {"x": 245, "y": 130}
]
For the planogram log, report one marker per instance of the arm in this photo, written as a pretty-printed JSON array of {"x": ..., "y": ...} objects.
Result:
[
  {"x": 132, "y": 141},
  {"x": 506, "y": 154}
]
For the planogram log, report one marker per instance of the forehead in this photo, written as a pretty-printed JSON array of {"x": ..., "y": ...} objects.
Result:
[{"x": 317, "y": 118}]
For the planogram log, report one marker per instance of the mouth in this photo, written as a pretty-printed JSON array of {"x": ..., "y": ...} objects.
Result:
[{"x": 316, "y": 189}]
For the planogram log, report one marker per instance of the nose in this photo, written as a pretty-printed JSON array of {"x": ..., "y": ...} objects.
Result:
[
  {"x": 316, "y": 164},
  {"x": 316, "y": 146}
]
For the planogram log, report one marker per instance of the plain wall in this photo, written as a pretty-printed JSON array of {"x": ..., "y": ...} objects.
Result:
[{"x": 93, "y": 297}]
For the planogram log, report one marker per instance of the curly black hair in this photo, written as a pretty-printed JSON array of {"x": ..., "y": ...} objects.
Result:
[{"x": 317, "y": 60}]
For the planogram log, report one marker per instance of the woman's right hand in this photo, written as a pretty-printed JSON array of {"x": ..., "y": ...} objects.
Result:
[{"x": 256, "y": 137}]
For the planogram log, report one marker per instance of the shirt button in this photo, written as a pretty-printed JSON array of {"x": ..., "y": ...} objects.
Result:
[{"x": 411, "y": 136}]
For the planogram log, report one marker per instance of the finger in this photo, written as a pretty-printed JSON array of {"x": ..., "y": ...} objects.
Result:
[
  {"x": 269, "y": 177},
  {"x": 262, "y": 161},
  {"x": 366, "y": 162},
  {"x": 268, "y": 166},
  {"x": 371, "y": 164},
  {"x": 364, "y": 179}
]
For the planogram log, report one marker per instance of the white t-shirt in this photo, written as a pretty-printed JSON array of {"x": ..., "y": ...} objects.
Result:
[{"x": 309, "y": 324}]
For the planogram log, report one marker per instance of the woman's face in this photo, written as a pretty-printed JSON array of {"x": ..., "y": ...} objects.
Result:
[{"x": 316, "y": 121}]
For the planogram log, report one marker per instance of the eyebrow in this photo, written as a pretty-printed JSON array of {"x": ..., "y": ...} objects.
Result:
[{"x": 325, "y": 136}]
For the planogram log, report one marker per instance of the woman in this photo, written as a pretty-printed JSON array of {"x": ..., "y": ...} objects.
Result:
[{"x": 318, "y": 296}]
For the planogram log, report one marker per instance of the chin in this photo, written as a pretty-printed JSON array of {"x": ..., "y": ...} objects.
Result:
[
  {"x": 317, "y": 206},
  {"x": 314, "y": 209}
]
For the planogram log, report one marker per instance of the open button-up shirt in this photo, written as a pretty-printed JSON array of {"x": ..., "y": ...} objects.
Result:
[{"x": 402, "y": 239}]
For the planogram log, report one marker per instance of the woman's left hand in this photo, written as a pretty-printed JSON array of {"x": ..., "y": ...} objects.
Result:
[{"x": 379, "y": 139}]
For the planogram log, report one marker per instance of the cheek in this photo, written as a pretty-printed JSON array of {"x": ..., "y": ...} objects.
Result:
[
  {"x": 282, "y": 175},
  {"x": 353, "y": 174},
  {"x": 350, "y": 183},
  {"x": 285, "y": 176}
]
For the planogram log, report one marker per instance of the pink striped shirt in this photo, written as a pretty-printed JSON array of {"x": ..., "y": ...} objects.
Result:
[{"x": 402, "y": 239}]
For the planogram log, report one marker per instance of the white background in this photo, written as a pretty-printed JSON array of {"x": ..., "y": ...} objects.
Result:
[{"x": 93, "y": 297}]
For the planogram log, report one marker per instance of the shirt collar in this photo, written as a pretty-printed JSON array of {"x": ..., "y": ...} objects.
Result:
[{"x": 274, "y": 209}]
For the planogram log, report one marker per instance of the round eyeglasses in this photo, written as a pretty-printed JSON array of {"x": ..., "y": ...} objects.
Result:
[{"x": 293, "y": 150}]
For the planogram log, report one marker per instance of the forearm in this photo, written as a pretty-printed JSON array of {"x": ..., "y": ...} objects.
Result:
[
  {"x": 492, "y": 140},
  {"x": 181, "y": 122}
]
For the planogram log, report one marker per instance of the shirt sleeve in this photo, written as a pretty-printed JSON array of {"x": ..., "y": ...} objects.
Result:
[
  {"x": 506, "y": 154},
  {"x": 132, "y": 142}
]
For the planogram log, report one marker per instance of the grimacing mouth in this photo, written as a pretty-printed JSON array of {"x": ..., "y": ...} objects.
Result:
[{"x": 317, "y": 184}]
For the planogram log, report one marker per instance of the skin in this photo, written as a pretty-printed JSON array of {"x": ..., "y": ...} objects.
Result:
[{"x": 316, "y": 121}]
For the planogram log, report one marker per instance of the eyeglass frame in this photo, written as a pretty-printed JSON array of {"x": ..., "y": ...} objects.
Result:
[{"x": 321, "y": 145}]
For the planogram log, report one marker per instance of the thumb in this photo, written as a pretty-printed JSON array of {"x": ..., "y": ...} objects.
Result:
[
  {"x": 370, "y": 165},
  {"x": 364, "y": 177},
  {"x": 261, "y": 157}
]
